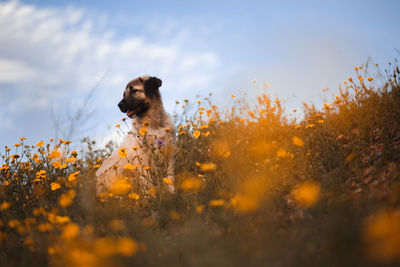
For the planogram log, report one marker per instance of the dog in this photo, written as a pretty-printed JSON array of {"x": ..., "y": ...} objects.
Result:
[{"x": 148, "y": 147}]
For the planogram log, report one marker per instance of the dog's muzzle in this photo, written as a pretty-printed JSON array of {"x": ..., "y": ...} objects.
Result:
[
  {"x": 123, "y": 106},
  {"x": 137, "y": 108}
]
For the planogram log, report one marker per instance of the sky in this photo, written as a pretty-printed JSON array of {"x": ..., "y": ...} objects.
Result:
[{"x": 61, "y": 57}]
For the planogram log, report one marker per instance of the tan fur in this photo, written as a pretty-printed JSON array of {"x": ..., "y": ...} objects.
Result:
[{"x": 160, "y": 128}]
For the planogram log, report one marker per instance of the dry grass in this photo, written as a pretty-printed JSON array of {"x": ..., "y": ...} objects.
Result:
[{"x": 255, "y": 187}]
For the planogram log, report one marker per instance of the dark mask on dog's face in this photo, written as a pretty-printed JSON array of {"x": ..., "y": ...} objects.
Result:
[{"x": 138, "y": 95}]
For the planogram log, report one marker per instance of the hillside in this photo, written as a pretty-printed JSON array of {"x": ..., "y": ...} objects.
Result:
[{"x": 255, "y": 187}]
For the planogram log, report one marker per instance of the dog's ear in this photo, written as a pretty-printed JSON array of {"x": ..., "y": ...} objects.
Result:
[{"x": 151, "y": 86}]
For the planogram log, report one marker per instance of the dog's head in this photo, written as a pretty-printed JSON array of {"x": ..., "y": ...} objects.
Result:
[{"x": 138, "y": 95}]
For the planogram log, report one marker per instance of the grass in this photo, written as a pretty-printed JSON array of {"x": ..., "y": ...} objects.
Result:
[{"x": 256, "y": 186}]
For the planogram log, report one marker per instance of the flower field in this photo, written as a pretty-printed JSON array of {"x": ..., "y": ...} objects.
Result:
[{"x": 256, "y": 185}]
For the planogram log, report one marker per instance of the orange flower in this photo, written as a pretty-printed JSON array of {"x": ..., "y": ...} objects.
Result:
[
  {"x": 72, "y": 176},
  {"x": 216, "y": 202},
  {"x": 122, "y": 152},
  {"x": 196, "y": 134},
  {"x": 5, "y": 205},
  {"x": 168, "y": 181},
  {"x": 41, "y": 174},
  {"x": 133, "y": 196},
  {"x": 55, "y": 186},
  {"x": 143, "y": 131},
  {"x": 297, "y": 141},
  {"x": 70, "y": 160},
  {"x": 130, "y": 167},
  {"x": 208, "y": 166},
  {"x": 307, "y": 194}
]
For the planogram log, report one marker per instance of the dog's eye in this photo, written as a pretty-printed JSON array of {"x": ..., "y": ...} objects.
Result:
[{"x": 133, "y": 90}]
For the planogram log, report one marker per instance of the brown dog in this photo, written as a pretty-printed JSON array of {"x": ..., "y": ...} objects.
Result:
[{"x": 148, "y": 148}]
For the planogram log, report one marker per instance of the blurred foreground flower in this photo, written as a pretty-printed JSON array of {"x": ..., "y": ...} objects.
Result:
[
  {"x": 70, "y": 231},
  {"x": 382, "y": 236},
  {"x": 253, "y": 192},
  {"x": 66, "y": 199},
  {"x": 121, "y": 186},
  {"x": 208, "y": 166},
  {"x": 297, "y": 141},
  {"x": 191, "y": 184},
  {"x": 307, "y": 194}
]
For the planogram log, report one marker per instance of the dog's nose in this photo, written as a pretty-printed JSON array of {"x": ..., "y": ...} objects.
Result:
[{"x": 122, "y": 106}]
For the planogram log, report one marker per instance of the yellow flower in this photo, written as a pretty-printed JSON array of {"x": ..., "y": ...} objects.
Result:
[
  {"x": 66, "y": 199},
  {"x": 233, "y": 96},
  {"x": 146, "y": 123},
  {"x": 72, "y": 176},
  {"x": 168, "y": 181},
  {"x": 14, "y": 223},
  {"x": 117, "y": 126},
  {"x": 135, "y": 147},
  {"x": 167, "y": 129},
  {"x": 70, "y": 160},
  {"x": 121, "y": 187},
  {"x": 96, "y": 166},
  {"x": 307, "y": 194},
  {"x": 41, "y": 174},
  {"x": 197, "y": 163},
  {"x": 56, "y": 164},
  {"x": 297, "y": 141},
  {"x": 310, "y": 125},
  {"x": 208, "y": 166},
  {"x": 122, "y": 152},
  {"x": 382, "y": 236},
  {"x": 143, "y": 131},
  {"x": 191, "y": 185},
  {"x": 281, "y": 153},
  {"x": 44, "y": 227},
  {"x": 126, "y": 246},
  {"x": 55, "y": 186},
  {"x": 17, "y": 145},
  {"x": 15, "y": 156},
  {"x": 70, "y": 231},
  {"x": 133, "y": 196},
  {"x": 196, "y": 134},
  {"x": 130, "y": 167},
  {"x": 55, "y": 154},
  {"x": 146, "y": 168},
  {"x": 370, "y": 79},
  {"x": 5, "y": 205},
  {"x": 200, "y": 208},
  {"x": 64, "y": 141},
  {"x": 216, "y": 202}
]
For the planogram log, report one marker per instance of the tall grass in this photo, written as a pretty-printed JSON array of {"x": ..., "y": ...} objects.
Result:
[{"x": 255, "y": 187}]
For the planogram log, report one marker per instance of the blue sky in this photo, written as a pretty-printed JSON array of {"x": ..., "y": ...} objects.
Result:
[{"x": 53, "y": 52}]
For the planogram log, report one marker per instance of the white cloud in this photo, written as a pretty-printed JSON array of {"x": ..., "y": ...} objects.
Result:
[
  {"x": 14, "y": 71},
  {"x": 49, "y": 53},
  {"x": 50, "y": 58}
]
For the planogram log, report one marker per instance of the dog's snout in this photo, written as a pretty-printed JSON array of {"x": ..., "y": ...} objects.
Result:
[{"x": 123, "y": 106}]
